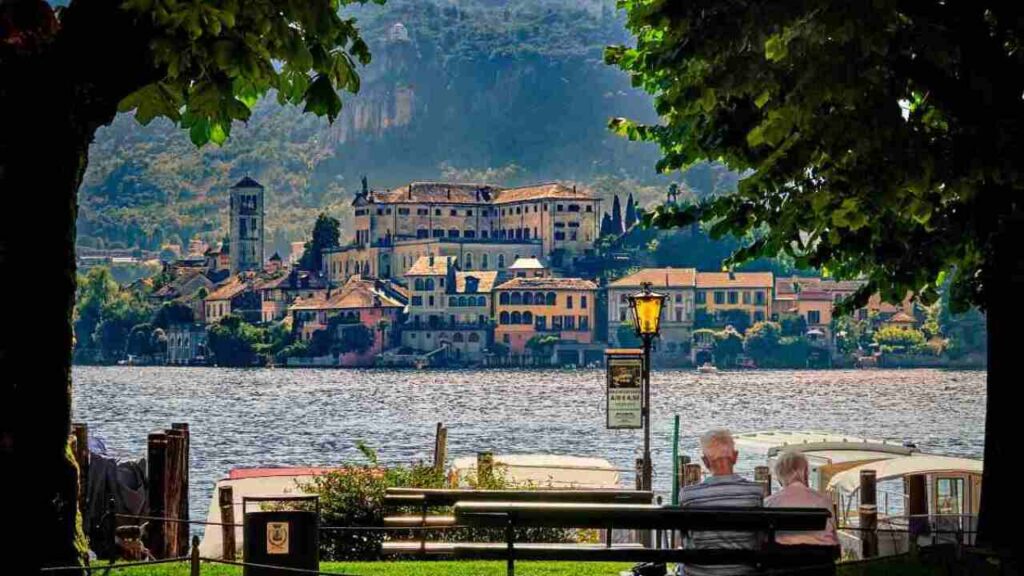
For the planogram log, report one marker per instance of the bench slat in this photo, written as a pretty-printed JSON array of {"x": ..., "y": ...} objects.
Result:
[
  {"x": 448, "y": 497},
  {"x": 634, "y": 516},
  {"x": 429, "y": 521}
]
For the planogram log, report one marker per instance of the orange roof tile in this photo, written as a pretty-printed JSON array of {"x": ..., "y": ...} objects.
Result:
[
  {"x": 431, "y": 266},
  {"x": 469, "y": 193},
  {"x": 659, "y": 277},
  {"x": 548, "y": 284},
  {"x": 735, "y": 280},
  {"x": 485, "y": 281}
]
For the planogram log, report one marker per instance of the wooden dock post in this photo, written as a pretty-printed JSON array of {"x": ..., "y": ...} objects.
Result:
[
  {"x": 440, "y": 447},
  {"x": 184, "y": 527},
  {"x": 156, "y": 462},
  {"x": 194, "y": 557},
  {"x": 868, "y": 514},
  {"x": 639, "y": 467},
  {"x": 174, "y": 546},
  {"x": 80, "y": 448},
  {"x": 484, "y": 468},
  {"x": 763, "y": 475},
  {"x": 226, "y": 499}
]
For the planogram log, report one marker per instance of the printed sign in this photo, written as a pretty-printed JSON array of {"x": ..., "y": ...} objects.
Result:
[
  {"x": 277, "y": 537},
  {"x": 625, "y": 392}
]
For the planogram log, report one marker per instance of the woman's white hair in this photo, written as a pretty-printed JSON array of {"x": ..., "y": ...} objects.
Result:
[
  {"x": 791, "y": 466},
  {"x": 717, "y": 443}
]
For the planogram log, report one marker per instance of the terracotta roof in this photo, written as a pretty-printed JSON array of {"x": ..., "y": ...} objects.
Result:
[
  {"x": 544, "y": 191},
  {"x": 469, "y": 193},
  {"x": 659, "y": 277},
  {"x": 785, "y": 285},
  {"x": 902, "y": 318},
  {"x": 356, "y": 293},
  {"x": 485, "y": 281},
  {"x": 735, "y": 280},
  {"x": 233, "y": 287},
  {"x": 548, "y": 284},
  {"x": 815, "y": 295},
  {"x": 431, "y": 266},
  {"x": 436, "y": 192}
]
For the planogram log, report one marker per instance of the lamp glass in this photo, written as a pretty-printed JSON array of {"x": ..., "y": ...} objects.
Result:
[{"x": 647, "y": 312}]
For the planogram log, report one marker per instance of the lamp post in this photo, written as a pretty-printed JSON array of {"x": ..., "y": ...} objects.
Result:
[{"x": 646, "y": 306}]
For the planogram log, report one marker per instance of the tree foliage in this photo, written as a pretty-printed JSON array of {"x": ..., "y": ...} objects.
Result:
[
  {"x": 326, "y": 234},
  {"x": 872, "y": 137}
]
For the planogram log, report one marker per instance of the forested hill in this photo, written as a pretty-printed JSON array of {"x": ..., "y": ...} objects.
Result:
[{"x": 503, "y": 91}]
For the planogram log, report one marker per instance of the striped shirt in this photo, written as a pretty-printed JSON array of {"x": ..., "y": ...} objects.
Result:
[{"x": 727, "y": 491}]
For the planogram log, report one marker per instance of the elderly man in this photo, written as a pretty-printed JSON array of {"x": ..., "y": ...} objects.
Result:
[
  {"x": 792, "y": 470},
  {"x": 721, "y": 488}
]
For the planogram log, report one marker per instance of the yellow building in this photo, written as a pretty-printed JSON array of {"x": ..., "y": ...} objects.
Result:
[
  {"x": 528, "y": 307},
  {"x": 718, "y": 293},
  {"x": 677, "y": 316}
]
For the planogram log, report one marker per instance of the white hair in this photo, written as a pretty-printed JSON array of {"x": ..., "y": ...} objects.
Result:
[
  {"x": 717, "y": 443},
  {"x": 791, "y": 466}
]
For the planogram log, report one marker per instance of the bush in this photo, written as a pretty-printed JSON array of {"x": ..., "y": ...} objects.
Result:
[
  {"x": 899, "y": 339},
  {"x": 354, "y": 497},
  {"x": 762, "y": 341},
  {"x": 728, "y": 345}
]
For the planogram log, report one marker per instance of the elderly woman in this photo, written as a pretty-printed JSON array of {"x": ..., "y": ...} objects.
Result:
[{"x": 792, "y": 471}]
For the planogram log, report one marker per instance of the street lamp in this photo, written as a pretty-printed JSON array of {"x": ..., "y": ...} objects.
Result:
[{"x": 646, "y": 306}]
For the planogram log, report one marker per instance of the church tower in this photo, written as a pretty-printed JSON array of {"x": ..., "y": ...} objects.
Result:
[{"x": 246, "y": 226}]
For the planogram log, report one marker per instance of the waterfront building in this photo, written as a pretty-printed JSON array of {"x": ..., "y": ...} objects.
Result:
[
  {"x": 677, "y": 316},
  {"x": 235, "y": 296},
  {"x": 529, "y": 268},
  {"x": 449, "y": 308},
  {"x": 535, "y": 307},
  {"x": 279, "y": 291},
  {"x": 486, "y": 227},
  {"x": 246, "y": 226},
  {"x": 719, "y": 295},
  {"x": 375, "y": 304},
  {"x": 186, "y": 343}
]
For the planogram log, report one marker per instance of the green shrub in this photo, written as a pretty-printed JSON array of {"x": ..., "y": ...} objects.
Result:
[{"x": 899, "y": 339}]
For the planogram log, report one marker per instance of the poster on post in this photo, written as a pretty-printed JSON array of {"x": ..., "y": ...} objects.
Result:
[{"x": 625, "y": 390}]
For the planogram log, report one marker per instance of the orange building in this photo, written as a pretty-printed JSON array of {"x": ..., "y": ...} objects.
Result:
[
  {"x": 528, "y": 307},
  {"x": 719, "y": 292}
]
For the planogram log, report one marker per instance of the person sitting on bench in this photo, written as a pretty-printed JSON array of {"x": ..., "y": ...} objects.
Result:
[
  {"x": 792, "y": 470},
  {"x": 722, "y": 488}
]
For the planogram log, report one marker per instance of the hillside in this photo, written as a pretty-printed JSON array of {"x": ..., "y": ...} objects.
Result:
[{"x": 507, "y": 92}]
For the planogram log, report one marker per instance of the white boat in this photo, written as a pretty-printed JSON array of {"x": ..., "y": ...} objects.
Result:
[
  {"x": 707, "y": 368},
  {"x": 952, "y": 484}
]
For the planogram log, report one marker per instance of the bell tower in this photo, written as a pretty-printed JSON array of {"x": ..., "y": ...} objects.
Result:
[{"x": 246, "y": 226}]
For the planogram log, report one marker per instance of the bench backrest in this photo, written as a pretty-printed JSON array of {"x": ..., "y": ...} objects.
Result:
[
  {"x": 635, "y": 516},
  {"x": 449, "y": 497}
]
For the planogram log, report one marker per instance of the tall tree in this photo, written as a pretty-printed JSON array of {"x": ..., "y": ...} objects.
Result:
[
  {"x": 606, "y": 225},
  {"x": 616, "y": 216},
  {"x": 326, "y": 234},
  {"x": 630, "y": 212},
  {"x": 64, "y": 74},
  {"x": 877, "y": 139}
]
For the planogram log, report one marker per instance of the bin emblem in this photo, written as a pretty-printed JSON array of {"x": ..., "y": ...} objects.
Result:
[{"x": 277, "y": 537}]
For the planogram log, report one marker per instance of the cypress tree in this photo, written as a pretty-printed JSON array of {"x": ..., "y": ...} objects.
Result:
[
  {"x": 606, "y": 224},
  {"x": 630, "y": 212},
  {"x": 616, "y": 216}
]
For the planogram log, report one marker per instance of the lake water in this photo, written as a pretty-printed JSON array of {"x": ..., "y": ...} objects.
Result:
[{"x": 315, "y": 417}]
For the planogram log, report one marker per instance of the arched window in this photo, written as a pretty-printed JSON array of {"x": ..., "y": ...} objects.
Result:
[
  {"x": 527, "y": 317},
  {"x": 462, "y": 300},
  {"x": 528, "y": 298},
  {"x": 419, "y": 283},
  {"x": 481, "y": 301},
  {"x": 551, "y": 299},
  {"x": 452, "y": 301},
  {"x": 430, "y": 284},
  {"x": 501, "y": 260},
  {"x": 503, "y": 319},
  {"x": 538, "y": 298},
  {"x": 483, "y": 262},
  {"x": 517, "y": 298},
  {"x": 503, "y": 299},
  {"x": 469, "y": 261},
  {"x": 474, "y": 337},
  {"x": 517, "y": 318},
  {"x": 457, "y": 337}
]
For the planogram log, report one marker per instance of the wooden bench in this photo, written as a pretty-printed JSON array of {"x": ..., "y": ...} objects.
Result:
[
  {"x": 427, "y": 499},
  {"x": 770, "y": 556}
]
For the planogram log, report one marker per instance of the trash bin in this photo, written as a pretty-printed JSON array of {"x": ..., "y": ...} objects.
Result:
[{"x": 286, "y": 538}]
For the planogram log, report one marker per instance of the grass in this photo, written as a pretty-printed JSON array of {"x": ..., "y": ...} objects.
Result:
[{"x": 406, "y": 568}]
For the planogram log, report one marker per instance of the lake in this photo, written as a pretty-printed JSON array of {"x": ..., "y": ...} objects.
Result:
[{"x": 315, "y": 417}]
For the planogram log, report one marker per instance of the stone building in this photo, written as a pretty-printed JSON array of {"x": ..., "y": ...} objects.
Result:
[
  {"x": 677, "y": 315},
  {"x": 246, "y": 226},
  {"x": 186, "y": 344}
]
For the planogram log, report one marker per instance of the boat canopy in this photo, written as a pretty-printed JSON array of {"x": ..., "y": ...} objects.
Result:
[
  {"x": 548, "y": 470},
  {"x": 826, "y": 445},
  {"x": 848, "y": 481}
]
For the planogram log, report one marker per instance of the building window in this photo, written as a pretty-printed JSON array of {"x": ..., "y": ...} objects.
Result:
[
  {"x": 560, "y": 208},
  {"x": 422, "y": 211},
  {"x": 483, "y": 258},
  {"x": 550, "y": 299},
  {"x": 422, "y": 233},
  {"x": 527, "y": 317},
  {"x": 501, "y": 260},
  {"x": 574, "y": 207},
  {"x": 568, "y": 302},
  {"x": 469, "y": 261},
  {"x": 503, "y": 298},
  {"x": 719, "y": 297},
  {"x": 746, "y": 296},
  {"x": 430, "y": 301},
  {"x": 583, "y": 302},
  {"x": 438, "y": 233},
  {"x": 758, "y": 316},
  {"x": 469, "y": 234},
  {"x": 417, "y": 300},
  {"x": 814, "y": 317},
  {"x": 699, "y": 298},
  {"x": 733, "y": 297},
  {"x": 759, "y": 297},
  {"x": 584, "y": 324},
  {"x": 437, "y": 211},
  {"x": 506, "y": 339},
  {"x": 559, "y": 235},
  {"x": 517, "y": 318},
  {"x": 483, "y": 233},
  {"x": 541, "y": 323}
]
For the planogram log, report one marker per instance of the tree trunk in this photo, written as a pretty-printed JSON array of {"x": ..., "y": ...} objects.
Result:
[{"x": 1001, "y": 504}]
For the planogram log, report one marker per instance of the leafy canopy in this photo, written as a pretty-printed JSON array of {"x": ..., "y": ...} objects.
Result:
[
  {"x": 876, "y": 138},
  {"x": 218, "y": 58}
]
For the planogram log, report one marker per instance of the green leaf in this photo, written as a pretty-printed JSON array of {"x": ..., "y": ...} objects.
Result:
[
  {"x": 200, "y": 132},
  {"x": 322, "y": 99},
  {"x": 775, "y": 48}
]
